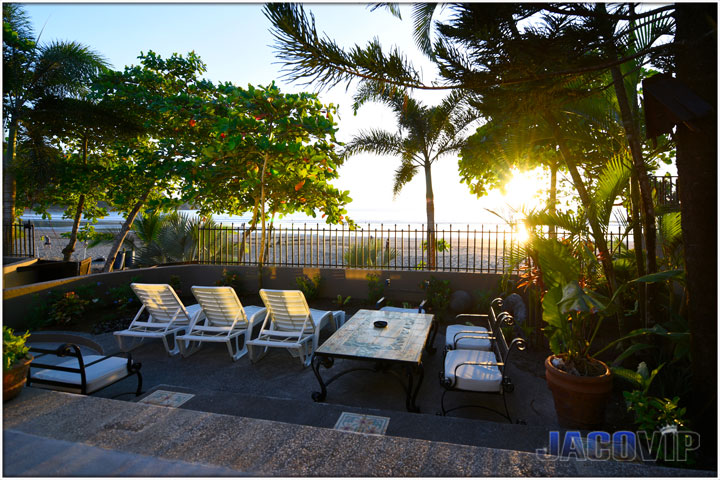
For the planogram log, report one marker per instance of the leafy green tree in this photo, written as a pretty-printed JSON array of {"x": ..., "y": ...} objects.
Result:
[
  {"x": 269, "y": 153},
  {"x": 32, "y": 71},
  {"x": 83, "y": 129},
  {"x": 425, "y": 134},
  {"x": 162, "y": 96}
]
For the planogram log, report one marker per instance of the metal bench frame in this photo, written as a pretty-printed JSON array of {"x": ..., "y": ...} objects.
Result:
[
  {"x": 71, "y": 348},
  {"x": 501, "y": 350}
]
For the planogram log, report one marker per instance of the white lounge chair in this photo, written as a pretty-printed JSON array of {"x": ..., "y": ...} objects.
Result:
[
  {"x": 168, "y": 316},
  {"x": 290, "y": 323},
  {"x": 223, "y": 319}
]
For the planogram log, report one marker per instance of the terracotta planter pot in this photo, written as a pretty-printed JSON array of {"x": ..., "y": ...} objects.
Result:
[
  {"x": 579, "y": 401},
  {"x": 14, "y": 379}
]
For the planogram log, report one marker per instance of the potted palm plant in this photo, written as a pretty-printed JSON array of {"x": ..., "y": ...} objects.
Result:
[
  {"x": 16, "y": 363},
  {"x": 568, "y": 274},
  {"x": 581, "y": 385}
]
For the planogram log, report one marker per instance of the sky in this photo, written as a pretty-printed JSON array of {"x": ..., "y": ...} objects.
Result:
[{"x": 235, "y": 42}]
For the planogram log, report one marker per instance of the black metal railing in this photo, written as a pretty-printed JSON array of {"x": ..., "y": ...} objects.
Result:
[
  {"x": 19, "y": 240},
  {"x": 464, "y": 249}
]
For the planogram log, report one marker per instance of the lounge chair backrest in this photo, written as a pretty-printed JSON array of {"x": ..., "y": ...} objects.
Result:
[
  {"x": 221, "y": 305},
  {"x": 161, "y": 301},
  {"x": 288, "y": 309}
]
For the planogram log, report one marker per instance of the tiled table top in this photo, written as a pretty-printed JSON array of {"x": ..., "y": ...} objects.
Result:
[{"x": 402, "y": 340}]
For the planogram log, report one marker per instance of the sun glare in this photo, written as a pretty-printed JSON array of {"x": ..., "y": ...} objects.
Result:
[
  {"x": 522, "y": 192},
  {"x": 522, "y": 233}
]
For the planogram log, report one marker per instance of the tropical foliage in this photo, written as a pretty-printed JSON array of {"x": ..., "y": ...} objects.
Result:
[
  {"x": 372, "y": 253},
  {"x": 34, "y": 72},
  {"x": 425, "y": 134}
]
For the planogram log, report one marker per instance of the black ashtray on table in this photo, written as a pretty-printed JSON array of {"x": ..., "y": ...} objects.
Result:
[{"x": 380, "y": 323}]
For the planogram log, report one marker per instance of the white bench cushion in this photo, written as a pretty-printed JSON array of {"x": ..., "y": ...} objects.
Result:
[
  {"x": 97, "y": 376},
  {"x": 467, "y": 343},
  {"x": 477, "y": 378}
]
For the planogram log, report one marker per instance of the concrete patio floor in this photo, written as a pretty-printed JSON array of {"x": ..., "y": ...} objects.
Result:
[{"x": 277, "y": 389}]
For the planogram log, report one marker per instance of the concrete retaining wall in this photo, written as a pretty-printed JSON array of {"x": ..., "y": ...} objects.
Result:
[{"x": 19, "y": 302}]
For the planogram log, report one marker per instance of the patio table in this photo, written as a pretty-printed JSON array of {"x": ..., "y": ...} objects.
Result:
[{"x": 399, "y": 344}]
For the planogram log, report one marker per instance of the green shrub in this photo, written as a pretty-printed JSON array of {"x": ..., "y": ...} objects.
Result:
[
  {"x": 369, "y": 254},
  {"x": 176, "y": 284},
  {"x": 437, "y": 293},
  {"x": 376, "y": 288},
  {"x": 122, "y": 296},
  {"x": 341, "y": 302},
  {"x": 68, "y": 309},
  {"x": 310, "y": 286},
  {"x": 231, "y": 280},
  {"x": 14, "y": 347}
]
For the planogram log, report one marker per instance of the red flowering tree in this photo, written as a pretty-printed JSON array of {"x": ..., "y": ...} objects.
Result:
[
  {"x": 270, "y": 154},
  {"x": 163, "y": 95}
]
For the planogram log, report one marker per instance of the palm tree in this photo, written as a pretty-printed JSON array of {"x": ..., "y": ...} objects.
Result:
[
  {"x": 30, "y": 72},
  {"x": 424, "y": 135}
]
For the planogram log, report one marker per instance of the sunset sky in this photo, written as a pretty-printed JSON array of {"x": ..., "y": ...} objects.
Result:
[{"x": 235, "y": 43}]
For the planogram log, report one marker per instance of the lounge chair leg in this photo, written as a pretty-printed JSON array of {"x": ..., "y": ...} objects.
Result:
[
  {"x": 238, "y": 352},
  {"x": 175, "y": 349},
  {"x": 253, "y": 357},
  {"x": 188, "y": 347},
  {"x": 135, "y": 343}
]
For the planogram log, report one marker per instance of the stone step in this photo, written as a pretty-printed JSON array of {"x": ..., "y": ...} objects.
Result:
[
  {"x": 251, "y": 447},
  {"x": 424, "y": 426}
]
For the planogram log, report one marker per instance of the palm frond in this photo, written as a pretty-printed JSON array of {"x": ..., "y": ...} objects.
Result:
[
  {"x": 405, "y": 172},
  {"x": 320, "y": 61},
  {"x": 670, "y": 230},
  {"x": 613, "y": 180},
  {"x": 422, "y": 22},
  {"x": 64, "y": 68},
  {"x": 393, "y": 8},
  {"x": 375, "y": 141}
]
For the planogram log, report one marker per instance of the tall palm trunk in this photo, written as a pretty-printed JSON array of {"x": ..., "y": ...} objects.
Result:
[
  {"x": 637, "y": 240},
  {"x": 430, "y": 210},
  {"x": 646, "y": 202},
  {"x": 632, "y": 133},
  {"x": 589, "y": 206},
  {"x": 552, "y": 201},
  {"x": 124, "y": 231},
  {"x": 70, "y": 247}
]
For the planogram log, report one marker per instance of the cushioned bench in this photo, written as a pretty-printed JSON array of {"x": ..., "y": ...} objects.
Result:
[
  {"x": 60, "y": 364},
  {"x": 476, "y": 357}
]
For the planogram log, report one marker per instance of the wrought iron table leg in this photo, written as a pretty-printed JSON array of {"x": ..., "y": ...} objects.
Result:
[
  {"x": 433, "y": 332},
  {"x": 318, "y": 396},
  {"x": 412, "y": 393}
]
